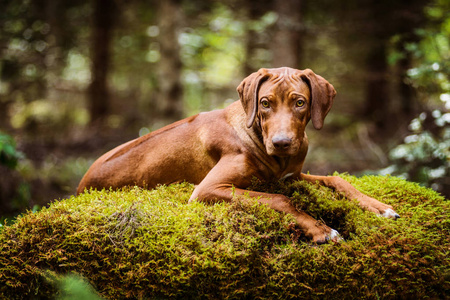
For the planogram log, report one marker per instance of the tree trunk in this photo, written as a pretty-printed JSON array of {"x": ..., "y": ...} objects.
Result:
[
  {"x": 254, "y": 40},
  {"x": 286, "y": 42},
  {"x": 251, "y": 39},
  {"x": 104, "y": 11},
  {"x": 170, "y": 66},
  {"x": 377, "y": 88}
]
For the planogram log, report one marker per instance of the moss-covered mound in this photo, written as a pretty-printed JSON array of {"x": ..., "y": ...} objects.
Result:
[{"x": 144, "y": 244}]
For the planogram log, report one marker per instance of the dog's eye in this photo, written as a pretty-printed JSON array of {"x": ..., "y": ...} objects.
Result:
[
  {"x": 265, "y": 103},
  {"x": 299, "y": 103}
]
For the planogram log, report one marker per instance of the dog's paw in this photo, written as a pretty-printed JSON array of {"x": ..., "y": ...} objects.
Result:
[
  {"x": 332, "y": 236},
  {"x": 380, "y": 208},
  {"x": 390, "y": 214}
]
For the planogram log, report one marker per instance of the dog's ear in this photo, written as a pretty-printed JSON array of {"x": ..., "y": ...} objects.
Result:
[
  {"x": 322, "y": 96},
  {"x": 248, "y": 93}
]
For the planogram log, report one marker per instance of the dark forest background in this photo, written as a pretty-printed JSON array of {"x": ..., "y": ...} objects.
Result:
[{"x": 79, "y": 77}]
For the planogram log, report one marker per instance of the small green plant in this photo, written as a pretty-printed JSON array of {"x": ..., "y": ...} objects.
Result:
[
  {"x": 9, "y": 155},
  {"x": 14, "y": 190}
]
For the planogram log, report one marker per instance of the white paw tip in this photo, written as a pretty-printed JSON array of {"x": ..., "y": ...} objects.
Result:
[
  {"x": 391, "y": 214},
  {"x": 334, "y": 236}
]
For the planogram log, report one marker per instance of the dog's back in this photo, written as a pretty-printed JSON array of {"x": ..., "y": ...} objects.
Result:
[{"x": 175, "y": 153}]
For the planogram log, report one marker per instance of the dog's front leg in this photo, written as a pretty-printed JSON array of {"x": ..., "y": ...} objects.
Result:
[
  {"x": 219, "y": 185},
  {"x": 352, "y": 193},
  {"x": 317, "y": 231}
]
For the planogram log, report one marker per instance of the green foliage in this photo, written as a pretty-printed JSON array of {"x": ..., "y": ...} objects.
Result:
[
  {"x": 213, "y": 53},
  {"x": 424, "y": 156},
  {"x": 431, "y": 74},
  {"x": 14, "y": 191},
  {"x": 9, "y": 155},
  {"x": 144, "y": 244}
]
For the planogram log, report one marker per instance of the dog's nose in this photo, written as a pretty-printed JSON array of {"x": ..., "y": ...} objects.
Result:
[{"x": 281, "y": 142}]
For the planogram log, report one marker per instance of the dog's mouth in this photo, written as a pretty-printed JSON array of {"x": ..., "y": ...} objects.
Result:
[{"x": 284, "y": 151}]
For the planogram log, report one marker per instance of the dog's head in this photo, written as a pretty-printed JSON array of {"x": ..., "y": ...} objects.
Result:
[{"x": 281, "y": 102}]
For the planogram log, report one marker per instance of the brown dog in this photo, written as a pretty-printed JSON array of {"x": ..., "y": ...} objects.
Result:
[{"x": 261, "y": 136}]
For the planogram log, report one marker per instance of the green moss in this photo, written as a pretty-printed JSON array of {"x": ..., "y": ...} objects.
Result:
[{"x": 143, "y": 244}]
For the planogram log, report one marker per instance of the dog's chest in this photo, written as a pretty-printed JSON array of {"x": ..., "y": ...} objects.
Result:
[{"x": 275, "y": 169}]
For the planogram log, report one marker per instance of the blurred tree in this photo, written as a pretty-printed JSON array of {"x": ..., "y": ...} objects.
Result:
[
  {"x": 59, "y": 39},
  {"x": 212, "y": 51},
  {"x": 375, "y": 23},
  {"x": 104, "y": 17},
  {"x": 254, "y": 11},
  {"x": 287, "y": 33},
  {"x": 35, "y": 40},
  {"x": 170, "y": 66},
  {"x": 424, "y": 155},
  {"x": 23, "y": 48}
]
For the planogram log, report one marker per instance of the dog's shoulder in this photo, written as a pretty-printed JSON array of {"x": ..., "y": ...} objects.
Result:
[{"x": 235, "y": 115}]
